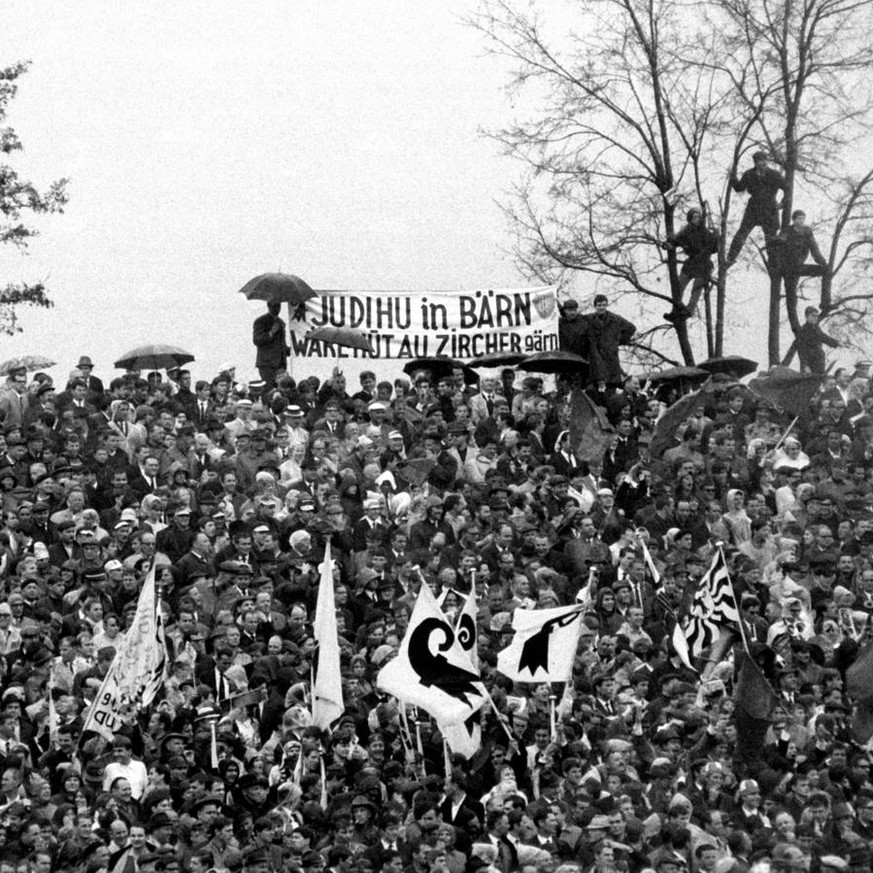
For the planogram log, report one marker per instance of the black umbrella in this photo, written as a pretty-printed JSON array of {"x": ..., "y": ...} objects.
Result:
[
  {"x": 671, "y": 374},
  {"x": 343, "y": 336},
  {"x": 554, "y": 362},
  {"x": 733, "y": 365},
  {"x": 497, "y": 359},
  {"x": 154, "y": 356},
  {"x": 278, "y": 286},
  {"x": 439, "y": 366}
]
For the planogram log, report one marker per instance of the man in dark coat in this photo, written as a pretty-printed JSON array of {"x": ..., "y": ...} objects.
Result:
[
  {"x": 762, "y": 211},
  {"x": 809, "y": 341},
  {"x": 699, "y": 244},
  {"x": 268, "y": 334},
  {"x": 571, "y": 330},
  {"x": 605, "y": 332},
  {"x": 791, "y": 248}
]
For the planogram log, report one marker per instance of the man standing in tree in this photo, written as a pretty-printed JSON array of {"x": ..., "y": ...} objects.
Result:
[
  {"x": 762, "y": 184},
  {"x": 790, "y": 250},
  {"x": 698, "y": 243},
  {"x": 571, "y": 330},
  {"x": 809, "y": 341}
]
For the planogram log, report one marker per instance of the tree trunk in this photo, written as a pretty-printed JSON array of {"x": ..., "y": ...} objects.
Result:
[
  {"x": 773, "y": 335},
  {"x": 681, "y": 327}
]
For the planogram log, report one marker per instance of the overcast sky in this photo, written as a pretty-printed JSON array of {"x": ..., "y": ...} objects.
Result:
[{"x": 208, "y": 142}]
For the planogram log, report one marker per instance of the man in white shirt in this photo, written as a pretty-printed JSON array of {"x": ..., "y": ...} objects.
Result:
[{"x": 124, "y": 765}]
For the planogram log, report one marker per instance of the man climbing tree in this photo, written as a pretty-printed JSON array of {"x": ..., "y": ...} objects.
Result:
[
  {"x": 762, "y": 184},
  {"x": 791, "y": 248},
  {"x": 699, "y": 243}
]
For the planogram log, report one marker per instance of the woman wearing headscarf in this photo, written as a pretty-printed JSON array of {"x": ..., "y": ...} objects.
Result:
[{"x": 735, "y": 518}]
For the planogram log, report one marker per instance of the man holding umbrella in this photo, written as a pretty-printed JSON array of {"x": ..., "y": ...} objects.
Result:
[{"x": 268, "y": 334}]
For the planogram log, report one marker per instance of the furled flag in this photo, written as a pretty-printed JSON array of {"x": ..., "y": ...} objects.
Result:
[
  {"x": 327, "y": 690},
  {"x": 657, "y": 581},
  {"x": 755, "y": 701},
  {"x": 138, "y": 670},
  {"x": 859, "y": 685},
  {"x": 590, "y": 430},
  {"x": 714, "y": 606},
  {"x": 544, "y": 645},
  {"x": 431, "y": 669}
]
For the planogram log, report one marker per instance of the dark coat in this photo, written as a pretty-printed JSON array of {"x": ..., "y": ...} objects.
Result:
[
  {"x": 272, "y": 347},
  {"x": 606, "y": 332}
]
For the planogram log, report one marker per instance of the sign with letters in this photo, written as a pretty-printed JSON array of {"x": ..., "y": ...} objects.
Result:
[{"x": 403, "y": 325}]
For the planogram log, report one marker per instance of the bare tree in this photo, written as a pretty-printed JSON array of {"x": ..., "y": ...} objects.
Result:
[
  {"x": 799, "y": 71},
  {"x": 622, "y": 125}
]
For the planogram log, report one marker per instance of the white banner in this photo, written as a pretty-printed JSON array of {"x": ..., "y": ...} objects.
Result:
[
  {"x": 403, "y": 325},
  {"x": 137, "y": 671}
]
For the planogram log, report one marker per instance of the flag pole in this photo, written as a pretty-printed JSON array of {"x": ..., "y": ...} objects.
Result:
[
  {"x": 785, "y": 435},
  {"x": 447, "y": 759},
  {"x": 553, "y": 722},
  {"x": 499, "y": 715}
]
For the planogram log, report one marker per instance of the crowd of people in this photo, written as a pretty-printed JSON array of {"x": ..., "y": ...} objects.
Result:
[{"x": 231, "y": 492}]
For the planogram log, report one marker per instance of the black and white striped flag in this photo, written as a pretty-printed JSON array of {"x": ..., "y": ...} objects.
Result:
[{"x": 714, "y": 606}]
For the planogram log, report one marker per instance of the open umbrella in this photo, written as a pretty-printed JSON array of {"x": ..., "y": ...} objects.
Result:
[
  {"x": 416, "y": 470},
  {"x": 733, "y": 365},
  {"x": 278, "y": 286},
  {"x": 30, "y": 363},
  {"x": 554, "y": 362},
  {"x": 671, "y": 374},
  {"x": 497, "y": 359},
  {"x": 154, "y": 356},
  {"x": 343, "y": 336},
  {"x": 439, "y": 366},
  {"x": 786, "y": 388}
]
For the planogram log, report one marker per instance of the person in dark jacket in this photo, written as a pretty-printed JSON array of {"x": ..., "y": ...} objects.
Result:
[
  {"x": 809, "y": 341},
  {"x": 699, "y": 244},
  {"x": 606, "y": 331},
  {"x": 571, "y": 330},
  {"x": 762, "y": 185},
  {"x": 268, "y": 334},
  {"x": 791, "y": 249}
]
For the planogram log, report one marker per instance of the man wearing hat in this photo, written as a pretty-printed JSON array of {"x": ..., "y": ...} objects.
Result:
[
  {"x": 571, "y": 330},
  {"x": 762, "y": 184},
  {"x": 174, "y": 541}
]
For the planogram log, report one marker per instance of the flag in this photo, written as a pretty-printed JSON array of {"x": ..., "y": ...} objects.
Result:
[
  {"x": 327, "y": 689},
  {"x": 787, "y": 389},
  {"x": 464, "y": 738},
  {"x": 859, "y": 686},
  {"x": 432, "y": 670},
  {"x": 467, "y": 631},
  {"x": 660, "y": 593},
  {"x": 590, "y": 430},
  {"x": 138, "y": 670},
  {"x": 755, "y": 701},
  {"x": 714, "y": 606},
  {"x": 544, "y": 645},
  {"x": 664, "y": 435}
]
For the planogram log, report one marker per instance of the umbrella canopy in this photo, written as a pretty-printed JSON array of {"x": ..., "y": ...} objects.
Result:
[
  {"x": 733, "y": 365},
  {"x": 277, "y": 286},
  {"x": 440, "y": 366},
  {"x": 343, "y": 336},
  {"x": 416, "y": 470},
  {"x": 554, "y": 362},
  {"x": 30, "y": 363},
  {"x": 786, "y": 388},
  {"x": 671, "y": 374},
  {"x": 497, "y": 359},
  {"x": 154, "y": 357}
]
